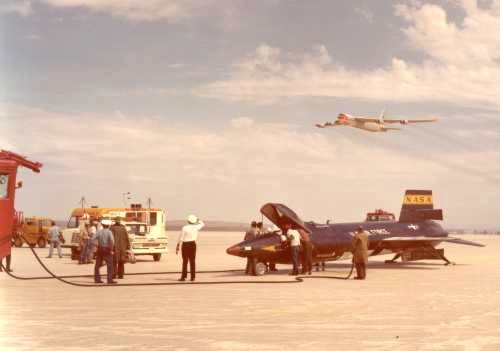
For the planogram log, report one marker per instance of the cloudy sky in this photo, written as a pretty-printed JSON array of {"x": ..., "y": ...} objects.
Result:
[{"x": 209, "y": 106}]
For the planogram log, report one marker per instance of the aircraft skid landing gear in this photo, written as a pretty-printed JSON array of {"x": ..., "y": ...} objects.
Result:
[
  {"x": 393, "y": 260},
  {"x": 434, "y": 254},
  {"x": 443, "y": 257}
]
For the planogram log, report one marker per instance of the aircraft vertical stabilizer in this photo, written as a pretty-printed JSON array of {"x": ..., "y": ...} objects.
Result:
[{"x": 418, "y": 206}]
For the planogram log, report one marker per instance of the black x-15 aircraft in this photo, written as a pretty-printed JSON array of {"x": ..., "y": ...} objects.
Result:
[{"x": 414, "y": 236}]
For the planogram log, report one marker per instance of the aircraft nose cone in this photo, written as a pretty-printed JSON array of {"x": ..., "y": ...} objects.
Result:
[{"x": 234, "y": 250}]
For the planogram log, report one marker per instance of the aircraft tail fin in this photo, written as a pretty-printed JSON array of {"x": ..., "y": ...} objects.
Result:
[
  {"x": 418, "y": 206},
  {"x": 381, "y": 116}
]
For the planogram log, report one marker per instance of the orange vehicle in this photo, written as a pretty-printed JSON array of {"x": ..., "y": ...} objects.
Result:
[
  {"x": 145, "y": 226},
  {"x": 380, "y": 215},
  {"x": 31, "y": 230}
]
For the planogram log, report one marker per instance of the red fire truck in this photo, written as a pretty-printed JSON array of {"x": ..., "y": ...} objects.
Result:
[{"x": 9, "y": 162}]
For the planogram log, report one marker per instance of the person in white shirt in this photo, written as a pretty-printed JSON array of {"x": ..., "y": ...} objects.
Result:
[
  {"x": 187, "y": 242},
  {"x": 294, "y": 238}
]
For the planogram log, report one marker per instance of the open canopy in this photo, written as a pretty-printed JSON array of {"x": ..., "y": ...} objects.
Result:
[{"x": 279, "y": 214}]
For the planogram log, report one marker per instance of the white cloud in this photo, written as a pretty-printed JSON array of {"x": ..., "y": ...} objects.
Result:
[
  {"x": 33, "y": 37},
  {"x": 226, "y": 172},
  {"x": 152, "y": 145},
  {"x": 141, "y": 10},
  {"x": 242, "y": 122},
  {"x": 21, "y": 8},
  {"x": 461, "y": 66},
  {"x": 365, "y": 13}
]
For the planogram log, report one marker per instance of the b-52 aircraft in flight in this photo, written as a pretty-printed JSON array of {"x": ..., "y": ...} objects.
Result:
[
  {"x": 371, "y": 124},
  {"x": 413, "y": 237}
]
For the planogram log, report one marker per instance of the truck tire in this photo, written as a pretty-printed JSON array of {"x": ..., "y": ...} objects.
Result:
[
  {"x": 18, "y": 242},
  {"x": 156, "y": 257},
  {"x": 42, "y": 242}
]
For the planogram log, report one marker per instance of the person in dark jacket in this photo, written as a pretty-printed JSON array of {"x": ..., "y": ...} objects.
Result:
[
  {"x": 122, "y": 244},
  {"x": 360, "y": 252},
  {"x": 249, "y": 235},
  {"x": 307, "y": 252}
]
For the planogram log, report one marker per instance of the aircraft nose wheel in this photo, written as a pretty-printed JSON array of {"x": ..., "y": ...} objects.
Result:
[{"x": 260, "y": 268}]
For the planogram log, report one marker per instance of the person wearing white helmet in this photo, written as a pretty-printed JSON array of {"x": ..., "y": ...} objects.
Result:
[{"x": 187, "y": 242}]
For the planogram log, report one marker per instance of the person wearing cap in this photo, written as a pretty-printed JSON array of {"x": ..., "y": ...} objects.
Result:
[
  {"x": 122, "y": 244},
  {"x": 187, "y": 243},
  {"x": 250, "y": 235},
  {"x": 360, "y": 252},
  {"x": 105, "y": 246}
]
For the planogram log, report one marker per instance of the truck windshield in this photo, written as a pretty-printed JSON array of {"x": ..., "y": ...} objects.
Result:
[{"x": 137, "y": 229}]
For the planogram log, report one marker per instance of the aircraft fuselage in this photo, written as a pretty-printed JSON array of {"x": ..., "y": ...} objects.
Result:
[{"x": 334, "y": 241}]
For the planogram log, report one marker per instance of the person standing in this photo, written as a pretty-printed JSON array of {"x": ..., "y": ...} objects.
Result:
[
  {"x": 187, "y": 239},
  {"x": 271, "y": 265},
  {"x": 105, "y": 245},
  {"x": 294, "y": 238},
  {"x": 260, "y": 229},
  {"x": 54, "y": 235},
  {"x": 89, "y": 258},
  {"x": 360, "y": 252},
  {"x": 307, "y": 252},
  {"x": 122, "y": 244},
  {"x": 84, "y": 242},
  {"x": 8, "y": 258},
  {"x": 250, "y": 235}
]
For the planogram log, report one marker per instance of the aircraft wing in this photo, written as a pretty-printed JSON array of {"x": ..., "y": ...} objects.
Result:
[
  {"x": 407, "y": 121},
  {"x": 326, "y": 124},
  {"x": 405, "y": 240},
  {"x": 366, "y": 119}
]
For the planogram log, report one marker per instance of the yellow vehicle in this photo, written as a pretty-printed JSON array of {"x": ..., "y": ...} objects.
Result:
[
  {"x": 34, "y": 230},
  {"x": 145, "y": 226}
]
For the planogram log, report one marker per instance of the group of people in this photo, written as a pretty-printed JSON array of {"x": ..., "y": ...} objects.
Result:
[
  {"x": 86, "y": 241},
  {"x": 301, "y": 249},
  {"x": 113, "y": 245},
  {"x": 298, "y": 238},
  {"x": 295, "y": 240},
  {"x": 256, "y": 230},
  {"x": 110, "y": 240}
]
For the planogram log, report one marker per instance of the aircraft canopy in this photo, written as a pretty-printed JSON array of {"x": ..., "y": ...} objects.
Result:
[{"x": 279, "y": 214}]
